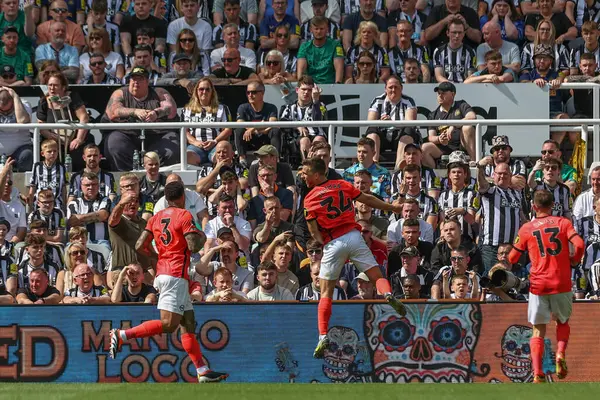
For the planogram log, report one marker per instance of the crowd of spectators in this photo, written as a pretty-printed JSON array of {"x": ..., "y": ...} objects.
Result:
[{"x": 72, "y": 236}]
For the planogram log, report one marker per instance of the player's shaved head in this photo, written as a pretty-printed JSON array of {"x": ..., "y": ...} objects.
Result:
[
  {"x": 173, "y": 178},
  {"x": 543, "y": 199}
]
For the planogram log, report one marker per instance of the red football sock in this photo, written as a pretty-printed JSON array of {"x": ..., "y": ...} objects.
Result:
[
  {"x": 537, "y": 351},
  {"x": 146, "y": 329},
  {"x": 383, "y": 286},
  {"x": 191, "y": 346},
  {"x": 324, "y": 315},
  {"x": 562, "y": 336}
]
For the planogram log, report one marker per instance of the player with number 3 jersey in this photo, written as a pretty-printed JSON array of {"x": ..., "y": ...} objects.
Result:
[
  {"x": 329, "y": 212},
  {"x": 177, "y": 238},
  {"x": 547, "y": 239}
]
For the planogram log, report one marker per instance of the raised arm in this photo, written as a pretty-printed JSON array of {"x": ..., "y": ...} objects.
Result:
[{"x": 374, "y": 202}]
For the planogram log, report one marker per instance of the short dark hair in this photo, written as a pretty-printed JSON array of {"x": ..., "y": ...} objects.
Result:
[
  {"x": 411, "y": 59},
  {"x": 33, "y": 238},
  {"x": 461, "y": 249},
  {"x": 543, "y": 199},
  {"x": 318, "y": 145},
  {"x": 38, "y": 224},
  {"x": 142, "y": 47},
  {"x": 411, "y": 277},
  {"x": 318, "y": 20},
  {"x": 363, "y": 172},
  {"x": 174, "y": 190},
  {"x": 411, "y": 222},
  {"x": 493, "y": 55},
  {"x": 365, "y": 141},
  {"x": 145, "y": 31},
  {"x": 453, "y": 220},
  {"x": 92, "y": 176},
  {"x": 456, "y": 21},
  {"x": 410, "y": 200},
  {"x": 91, "y": 145},
  {"x": 99, "y": 6},
  {"x": 225, "y": 198},
  {"x": 554, "y": 142},
  {"x": 587, "y": 56},
  {"x": 316, "y": 165},
  {"x": 306, "y": 80},
  {"x": 412, "y": 168},
  {"x": 266, "y": 266},
  {"x": 313, "y": 244},
  {"x": 394, "y": 77},
  {"x": 231, "y": 2},
  {"x": 554, "y": 161}
]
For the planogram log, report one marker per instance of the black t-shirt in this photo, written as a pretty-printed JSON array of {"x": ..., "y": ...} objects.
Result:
[
  {"x": 46, "y": 115},
  {"x": 243, "y": 73},
  {"x": 154, "y": 190},
  {"x": 33, "y": 297},
  {"x": 353, "y": 20},
  {"x": 131, "y": 23},
  {"x": 395, "y": 262},
  {"x": 560, "y": 21},
  {"x": 440, "y": 12},
  {"x": 127, "y": 297},
  {"x": 285, "y": 176}
]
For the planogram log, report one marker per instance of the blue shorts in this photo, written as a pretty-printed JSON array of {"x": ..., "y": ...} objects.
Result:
[{"x": 205, "y": 156}]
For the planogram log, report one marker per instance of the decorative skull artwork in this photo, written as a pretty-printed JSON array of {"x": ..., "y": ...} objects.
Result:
[
  {"x": 432, "y": 343},
  {"x": 516, "y": 354},
  {"x": 345, "y": 359}
]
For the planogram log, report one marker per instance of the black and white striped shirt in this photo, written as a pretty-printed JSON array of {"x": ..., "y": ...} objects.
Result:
[
  {"x": 108, "y": 80},
  {"x": 205, "y": 170},
  {"x": 592, "y": 254},
  {"x": 501, "y": 212},
  {"x": 108, "y": 185},
  {"x": 53, "y": 253},
  {"x": 467, "y": 199},
  {"x": 429, "y": 181},
  {"x": 8, "y": 269},
  {"x": 25, "y": 268},
  {"x": 428, "y": 207},
  {"x": 456, "y": 63},
  {"x": 290, "y": 61},
  {"x": 53, "y": 177},
  {"x": 248, "y": 33},
  {"x": 589, "y": 229},
  {"x": 7, "y": 249},
  {"x": 563, "y": 202},
  {"x": 308, "y": 292},
  {"x": 310, "y": 112},
  {"x": 576, "y": 53},
  {"x": 207, "y": 134},
  {"x": 95, "y": 291},
  {"x": 306, "y": 35},
  {"x": 582, "y": 12},
  {"x": 397, "y": 56},
  {"x": 97, "y": 262},
  {"x": 160, "y": 60},
  {"x": 56, "y": 220},
  {"x": 397, "y": 112},
  {"x": 594, "y": 277},
  {"x": 381, "y": 57},
  {"x": 96, "y": 230},
  {"x": 561, "y": 58},
  {"x": 417, "y": 21},
  {"x": 348, "y": 7},
  {"x": 111, "y": 28},
  {"x": 517, "y": 167},
  {"x": 114, "y": 6}
]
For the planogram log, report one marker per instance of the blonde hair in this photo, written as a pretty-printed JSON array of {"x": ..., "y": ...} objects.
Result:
[
  {"x": 194, "y": 104},
  {"x": 537, "y": 40},
  {"x": 129, "y": 176},
  {"x": 77, "y": 231},
  {"x": 153, "y": 156},
  {"x": 106, "y": 43},
  {"x": 70, "y": 267},
  {"x": 49, "y": 143},
  {"x": 366, "y": 25},
  {"x": 195, "y": 53}
]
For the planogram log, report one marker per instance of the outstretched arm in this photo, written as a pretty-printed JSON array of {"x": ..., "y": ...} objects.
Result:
[
  {"x": 144, "y": 245},
  {"x": 374, "y": 202}
]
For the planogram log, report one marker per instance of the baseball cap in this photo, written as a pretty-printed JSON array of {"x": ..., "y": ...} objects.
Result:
[
  {"x": 140, "y": 71},
  {"x": 411, "y": 251},
  {"x": 224, "y": 230},
  {"x": 7, "y": 69},
  {"x": 11, "y": 29},
  {"x": 226, "y": 168},
  {"x": 412, "y": 145},
  {"x": 267, "y": 150},
  {"x": 314, "y": 2},
  {"x": 458, "y": 157},
  {"x": 5, "y": 223},
  {"x": 499, "y": 141},
  {"x": 543, "y": 50},
  {"x": 445, "y": 87},
  {"x": 181, "y": 57},
  {"x": 363, "y": 277}
]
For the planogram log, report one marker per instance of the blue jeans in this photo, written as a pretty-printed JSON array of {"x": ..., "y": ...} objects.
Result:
[
  {"x": 489, "y": 255},
  {"x": 205, "y": 156}
]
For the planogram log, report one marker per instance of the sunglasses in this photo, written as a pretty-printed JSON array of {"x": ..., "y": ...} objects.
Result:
[
  {"x": 365, "y": 64},
  {"x": 456, "y": 258},
  {"x": 272, "y": 63},
  {"x": 95, "y": 38},
  {"x": 96, "y": 64},
  {"x": 59, "y": 10},
  {"x": 86, "y": 275},
  {"x": 48, "y": 202},
  {"x": 228, "y": 60},
  {"x": 187, "y": 40},
  {"x": 315, "y": 252},
  {"x": 544, "y": 152},
  {"x": 77, "y": 252},
  {"x": 282, "y": 35},
  {"x": 501, "y": 148},
  {"x": 253, "y": 92},
  {"x": 551, "y": 167},
  {"x": 9, "y": 183}
]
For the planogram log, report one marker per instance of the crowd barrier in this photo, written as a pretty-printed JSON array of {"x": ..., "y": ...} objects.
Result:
[{"x": 435, "y": 342}]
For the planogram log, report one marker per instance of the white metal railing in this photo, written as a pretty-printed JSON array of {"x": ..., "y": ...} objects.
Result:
[{"x": 572, "y": 125}]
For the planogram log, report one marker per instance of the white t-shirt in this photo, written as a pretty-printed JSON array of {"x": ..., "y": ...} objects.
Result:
[
  {"x": 202, "y": 29},
  {"x": 394, "y": 232},
  {"x": 278, "y": 293},
  {"x": 216, "y": 223},
  {"x": 242, "y": 279},
  {"x": 112, "y": 61},
  {"x": 14, "y": 212},
  {"x": 12, "y": 139},
  {"x": 248, "y": 58},
  {"x": 194, "y": 203}
]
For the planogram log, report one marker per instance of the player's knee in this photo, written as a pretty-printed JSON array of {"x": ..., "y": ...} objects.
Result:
[{"x": 170, "y": 324}]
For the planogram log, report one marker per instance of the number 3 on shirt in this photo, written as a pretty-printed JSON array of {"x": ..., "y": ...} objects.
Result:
[
  {"x": 165, "y": 237},
  {"x": 335, "y": 210},
  {"x": 553, "y": 239}
]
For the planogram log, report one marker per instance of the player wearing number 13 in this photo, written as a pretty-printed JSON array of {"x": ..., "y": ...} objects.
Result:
[
  {"x": 546, "y": 239},
  {"x": 330, "y": 217},
  {"x": 177, "y": 238}
]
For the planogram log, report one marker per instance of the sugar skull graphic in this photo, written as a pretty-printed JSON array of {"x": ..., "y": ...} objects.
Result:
[
  {"x": 346, "y": 359},
  {"x": 516, "y": 364},
  {"x": 432, "y": 343}
]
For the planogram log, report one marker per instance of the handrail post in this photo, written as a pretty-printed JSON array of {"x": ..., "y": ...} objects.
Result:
[
  {"x": 596, "y": 115},
  {"x": 36, "y": 145},
  {"x": 584, "y": 137},
  {"x": 478, "y": 142},
  {"x": 183, "y": 149},
  {"x": 331, "y": 139}
]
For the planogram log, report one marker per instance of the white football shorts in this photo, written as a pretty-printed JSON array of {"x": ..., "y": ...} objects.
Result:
[
  {"x": 348, "y": 247},
  {"x": 541, "y": 308},
  {"x": 173, "y": 294}
]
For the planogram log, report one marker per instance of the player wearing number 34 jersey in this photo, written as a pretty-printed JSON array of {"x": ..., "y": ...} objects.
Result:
[
  {"x": 329, "y": 212},
  {"x": 547, "y": 239},
  {"x": 176, "y": 238}
]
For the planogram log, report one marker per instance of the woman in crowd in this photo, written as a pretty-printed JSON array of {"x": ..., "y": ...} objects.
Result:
[
  {"x": 273, "y": 72},
  {"x": 506, "y": 15},
  {"x": 366, "y": 69},
  {"x": 76, "y": 254},
  {"x": 48, "y": 67},
  {"x": 545, "y": 34},
  {"x": 366, "y": 39},
  {"x": 282, "y": 44},
  {"x": 55, "y": 105},
  {"x": 188, "y": 44},
  {"x": 204, "y": 106},
  {"x": 99, "y": 42}
]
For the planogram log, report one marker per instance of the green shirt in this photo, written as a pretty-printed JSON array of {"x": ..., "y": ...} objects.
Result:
[
  {"x": 24, "y": 42},
  {"x": 568, "y": 174},
  {"x": 320, "y": 59},
  {"x": 21, "y": 62}
]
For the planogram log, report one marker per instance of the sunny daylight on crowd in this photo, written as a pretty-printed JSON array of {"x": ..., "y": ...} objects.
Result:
[{"x": 269, "y": 194}]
